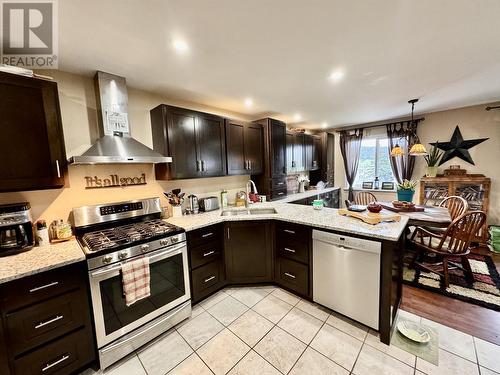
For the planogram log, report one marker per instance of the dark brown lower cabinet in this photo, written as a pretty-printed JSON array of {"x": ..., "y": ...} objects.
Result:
[
  {"x": 292, "y": 275},
  {"x": 249, "y": 251},
  {"x": 46, "y": 324}
]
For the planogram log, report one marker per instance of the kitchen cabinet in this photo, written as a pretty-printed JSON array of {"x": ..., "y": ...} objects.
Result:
[
  {"x": 194, "y": 140},
  {"x": 206, "y": 261},
  {"x": 46, "y": 322},
  {"x": 249, "y": 251},
  {"x": 326, "y": 151},
  {"x": 272, "y": 181},
  {"x": 312, "y": 146},
  {"x": 245, "y": 148},
  {"x": 31, "y": 136},
  {"x": 296, "y": 152}
]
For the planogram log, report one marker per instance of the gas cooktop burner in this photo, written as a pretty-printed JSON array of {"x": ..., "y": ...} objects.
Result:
[{"x": 126, "y": 234}]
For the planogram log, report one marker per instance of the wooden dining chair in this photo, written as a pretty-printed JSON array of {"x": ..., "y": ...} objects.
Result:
[
  {"x": 364, "y": 198},
  {"x": 457, "y": 206},
  {"x": 454, "y": 242}
]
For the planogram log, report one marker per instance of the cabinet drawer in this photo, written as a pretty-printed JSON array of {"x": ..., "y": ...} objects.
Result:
[
  {"x": 293, "y": 275},
  {"x": 204, "y": 235},
  {"x": 32, "y": 289},
  {"x": 63, "y": 356},
  {"x": 292, "y": 249},
  {"x": 206, "y": 278},
  {"x": 278, "y": 183},
  {"x": 277, "y": 194},
  {"x": 45, "y": 321},
  {"x": 285, "y": 231},
  {"x": 201, "y": 255}
]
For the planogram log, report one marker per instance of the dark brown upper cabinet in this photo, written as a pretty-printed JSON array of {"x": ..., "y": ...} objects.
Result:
[
  {"x": 278, "y": 148},
  {"x": 312, "y": 146},
  {"x": 326, "y": 151},
  {"x": 245, "y": 147},
  {"x": 296, "y": 152},
  {"x": 249, "y": 251},
  {"x": 32, "y": 149},
  {"x": 194, "y": 140}
]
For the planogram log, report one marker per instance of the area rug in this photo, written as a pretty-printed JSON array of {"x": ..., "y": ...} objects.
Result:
[
  {"x": 428, "y": 352},
  {"x": 483, "y": 291}
]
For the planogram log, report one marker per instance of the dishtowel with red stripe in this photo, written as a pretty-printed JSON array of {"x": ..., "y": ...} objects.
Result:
[{"x": 136, "y": 280}]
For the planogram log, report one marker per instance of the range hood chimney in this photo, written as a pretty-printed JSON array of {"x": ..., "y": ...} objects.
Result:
[{"x": 115, "y": 145}]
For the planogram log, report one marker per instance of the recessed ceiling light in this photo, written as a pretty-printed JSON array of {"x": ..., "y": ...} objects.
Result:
[
  {"x": 248, "y": 102},
  {"x": 180, "y": 45},
  {"x": 297, "y": 117},
  {"x": 336, "y": 75},
  {"x": 324, "y": 125}
]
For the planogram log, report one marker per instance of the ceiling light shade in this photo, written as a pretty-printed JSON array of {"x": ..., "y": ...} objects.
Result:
[
  {"x": 336, "y": 75},
  {"x": 248, "y": 102},
  {"x": 397, "y": 151},
  {"x": 324, "y": 125},
  {"x": 418, "y": 149},
  {"x": 297, "y": 117},
  {"x": 180, "y": 45}
]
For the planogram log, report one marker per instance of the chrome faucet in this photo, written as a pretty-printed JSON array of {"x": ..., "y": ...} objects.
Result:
[{"x": 248, "y": 189}]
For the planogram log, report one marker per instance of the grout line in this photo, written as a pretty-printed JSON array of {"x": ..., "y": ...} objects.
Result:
[{"x": 194, "y": 352}]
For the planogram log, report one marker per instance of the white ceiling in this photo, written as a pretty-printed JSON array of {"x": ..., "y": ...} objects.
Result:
[{"x": 281, "y": 53}]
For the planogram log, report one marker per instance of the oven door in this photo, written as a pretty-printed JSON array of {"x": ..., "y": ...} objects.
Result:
[{"x": 169, "y": 279}]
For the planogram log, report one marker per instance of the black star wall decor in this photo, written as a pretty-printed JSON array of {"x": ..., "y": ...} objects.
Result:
[{"x": 457, "y": 147}]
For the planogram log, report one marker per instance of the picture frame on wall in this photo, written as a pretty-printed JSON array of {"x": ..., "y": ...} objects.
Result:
[
  {"x": 368, "y": 185},
  {"x": 387, "y": 185}
]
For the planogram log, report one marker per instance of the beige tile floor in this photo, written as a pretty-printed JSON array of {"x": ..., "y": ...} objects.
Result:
[{"x": 268, "y": 331}]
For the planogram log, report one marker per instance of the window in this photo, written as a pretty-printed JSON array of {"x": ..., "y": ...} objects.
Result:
[{"x": 374, "y": 161}]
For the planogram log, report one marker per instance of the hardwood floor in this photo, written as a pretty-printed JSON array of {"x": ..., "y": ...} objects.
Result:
[{"x": 466, "y": 317}]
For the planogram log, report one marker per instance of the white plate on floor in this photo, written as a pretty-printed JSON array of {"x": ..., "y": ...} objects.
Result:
[{"x": 414, "y": 331}]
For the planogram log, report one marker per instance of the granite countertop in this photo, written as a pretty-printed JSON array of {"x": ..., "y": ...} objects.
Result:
[
  {"x": 306, "y": 194},
  {"x": 39, "y": 259},
  {"x": 327, "y": 218}
]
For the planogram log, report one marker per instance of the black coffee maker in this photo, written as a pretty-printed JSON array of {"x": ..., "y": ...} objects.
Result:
[{"x": 16, "y": 228}]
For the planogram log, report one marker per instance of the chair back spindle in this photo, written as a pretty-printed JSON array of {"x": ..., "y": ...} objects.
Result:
[
  {"x": 364, "y": 198},
  {"x": 459, "y": 234},
  {"x": 457, "y": 206}
]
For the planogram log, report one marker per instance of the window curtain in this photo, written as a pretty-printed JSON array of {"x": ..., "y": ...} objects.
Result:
[
  {"x": 350, "y": 145},
  {"x": 403, "y": 134}
]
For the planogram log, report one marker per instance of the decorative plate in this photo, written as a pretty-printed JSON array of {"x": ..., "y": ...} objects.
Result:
[{"x": 414, "y": 331}]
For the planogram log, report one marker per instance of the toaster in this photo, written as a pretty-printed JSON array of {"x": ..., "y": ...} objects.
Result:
[{"x": 209, "y": 204}]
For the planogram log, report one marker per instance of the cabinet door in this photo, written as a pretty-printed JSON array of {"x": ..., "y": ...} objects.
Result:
[
  {"x": 181, "y": 130},
  {"x": 32, "y": 148},
  {"x": 298, "y": 153},
  {"x": 290, "y": 163},
  {"x": 248, "y": 252},
  {"x": 308, "y": 150},
  {"x": 278, "y": 148},
  {"x": 316, "y": 153},
  {"x": 210, "y": 144},
  {"x": 254, "y": 147},
  {"x": 236, "y": 144}
]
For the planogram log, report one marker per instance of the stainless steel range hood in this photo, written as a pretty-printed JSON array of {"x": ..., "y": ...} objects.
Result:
[{"x": 115, "y": 145}]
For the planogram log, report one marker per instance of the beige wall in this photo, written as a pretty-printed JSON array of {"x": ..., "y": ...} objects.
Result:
[
  {"x": 474, "y": 122},
  {"x": 78, "y": 110}
]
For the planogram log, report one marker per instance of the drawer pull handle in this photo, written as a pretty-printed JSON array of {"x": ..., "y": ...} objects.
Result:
[
  {"x": 280, "y": 183},
  {"x": 209, "y": 253},
  {"x": 290, "y": 250},
  {"x": 48, "y": 366},
  {"x": 207, "y": 235},
  {"x": 281, "y": 193},
  {"x": 44, "y": 286},
  {"x": 209, "y": 279},
  {"x": 289, "y": 231},
  {"x": 290, "y": 275},
  {"x": 50, "y": 321}
]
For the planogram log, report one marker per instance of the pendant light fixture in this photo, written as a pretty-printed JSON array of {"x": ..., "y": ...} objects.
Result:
[{"x": 417, "y": 149}]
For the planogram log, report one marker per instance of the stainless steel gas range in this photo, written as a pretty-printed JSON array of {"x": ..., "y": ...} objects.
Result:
[{"x": 112, "y": 234}]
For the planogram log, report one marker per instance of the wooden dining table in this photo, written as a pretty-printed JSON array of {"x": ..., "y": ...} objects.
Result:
[{"x": 432, "y": 216}]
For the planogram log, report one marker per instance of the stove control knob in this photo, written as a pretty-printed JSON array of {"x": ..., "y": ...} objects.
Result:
[
  {"x": 107, "y": 259},
  {"x": 164, "y": 242},
  {"x": 175, "y": 239},
  {"x": 144, "y": 248},
  {"x": 122, "y": 255}
]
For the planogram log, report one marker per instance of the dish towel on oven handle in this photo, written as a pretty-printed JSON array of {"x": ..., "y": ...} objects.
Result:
[{"x": 136, "y": 280}]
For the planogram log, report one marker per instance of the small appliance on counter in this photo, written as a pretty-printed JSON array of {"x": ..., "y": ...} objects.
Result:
[
  {"x": 209, "y": 204},
  {"x": 16, "y": 228},
  {"x": 193, "y": 207}
]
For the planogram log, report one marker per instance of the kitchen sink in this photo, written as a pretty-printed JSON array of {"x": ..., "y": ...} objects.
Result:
[{"x": 252, "y": 211}]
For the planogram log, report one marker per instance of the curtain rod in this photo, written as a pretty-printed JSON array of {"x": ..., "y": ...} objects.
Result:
[{"x": 376, "y": 125}]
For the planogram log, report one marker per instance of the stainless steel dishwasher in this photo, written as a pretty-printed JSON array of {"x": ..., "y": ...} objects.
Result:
[{"x": 346, "y": 276}]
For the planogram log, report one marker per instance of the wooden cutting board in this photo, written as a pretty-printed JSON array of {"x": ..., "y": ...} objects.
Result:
[{"x": 369, "y": 217}]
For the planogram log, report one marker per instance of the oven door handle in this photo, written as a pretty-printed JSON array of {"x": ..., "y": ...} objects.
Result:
[{"x": 153, "y": 257}]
